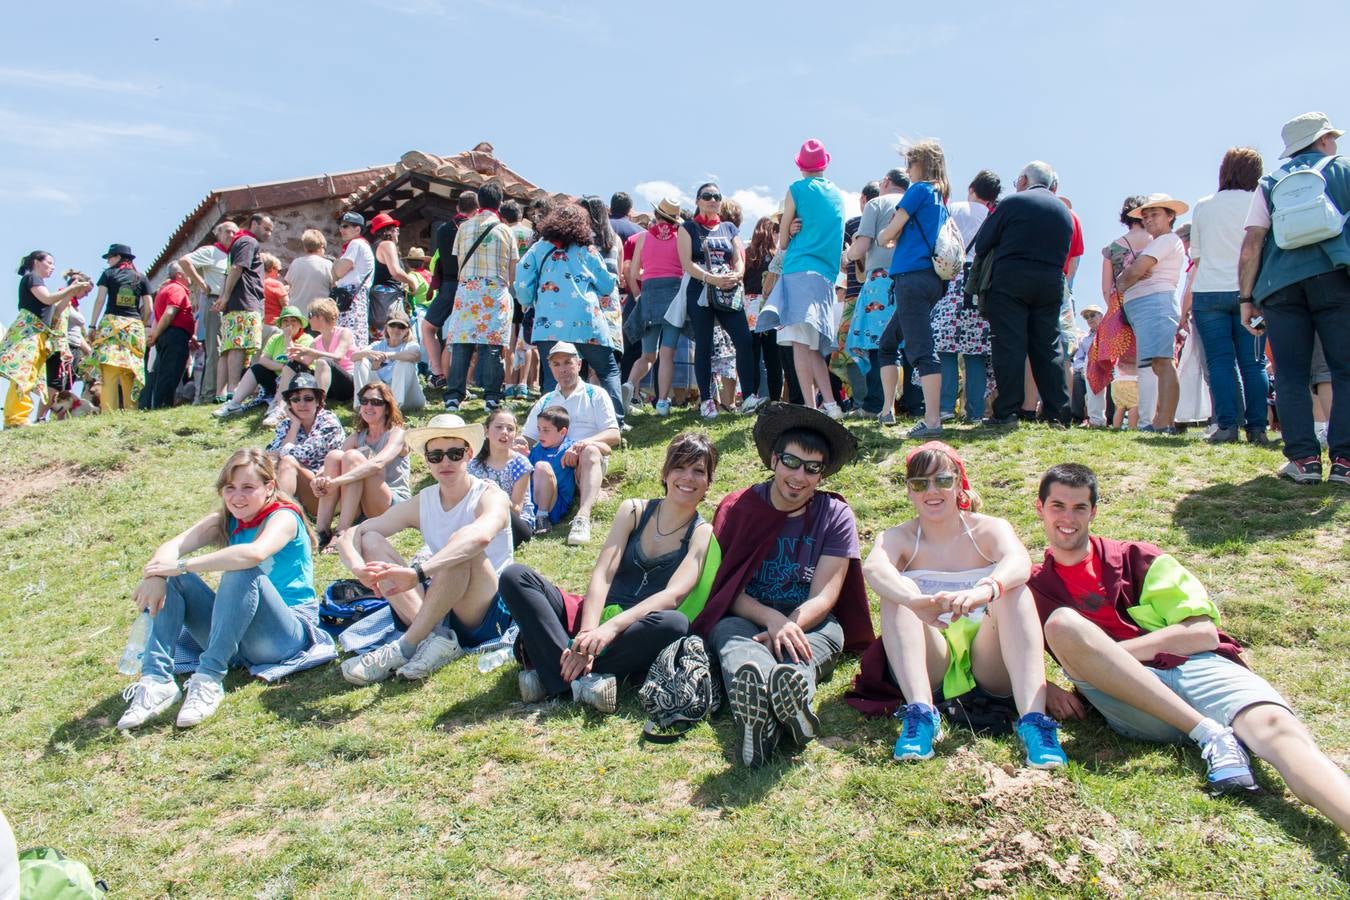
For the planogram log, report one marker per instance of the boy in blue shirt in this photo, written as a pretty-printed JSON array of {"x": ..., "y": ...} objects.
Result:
[{"x": 553, "y": 485}]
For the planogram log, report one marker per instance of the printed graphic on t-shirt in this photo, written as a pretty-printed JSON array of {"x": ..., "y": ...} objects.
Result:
[{"x": 783, "y": 581}]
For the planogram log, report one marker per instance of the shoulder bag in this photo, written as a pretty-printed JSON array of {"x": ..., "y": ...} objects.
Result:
[{"x": 724, "y": 299}]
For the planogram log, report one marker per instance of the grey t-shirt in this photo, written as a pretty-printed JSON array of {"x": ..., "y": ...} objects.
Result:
[
  {"x": 877, "y": 214},
  {"x": 310, "y": 277}
]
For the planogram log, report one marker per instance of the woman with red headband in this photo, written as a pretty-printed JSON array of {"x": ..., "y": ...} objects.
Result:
[{"x": 956, "y": 616}]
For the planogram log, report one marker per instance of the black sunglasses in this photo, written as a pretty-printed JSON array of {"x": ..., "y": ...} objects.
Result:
[
  {"x": 945, "y": 482},
  {"x": 396, "y": 325},
  {"x": 372, "y": 401},
  {"x": 812, "y": 466},
  {"x": 454, "y": 454},
  {"x": 302, "y": 398},
  {"x": 709, "y": 195}
]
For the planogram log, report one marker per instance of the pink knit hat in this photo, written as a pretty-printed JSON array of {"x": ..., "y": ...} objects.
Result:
[{"x": 812, "y": 157}]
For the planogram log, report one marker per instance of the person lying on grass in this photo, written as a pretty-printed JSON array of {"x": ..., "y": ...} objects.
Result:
[
  {"x": 788, "y": 597},
  {"x": 955, "y": 614},
  {"x": 651, "y": 561},
  {"x": 263, "y": 613},
  {"x": 1138, "y": 635},
  {"x": 446, "y": 599},
  {"x": 371, "y": 471}
]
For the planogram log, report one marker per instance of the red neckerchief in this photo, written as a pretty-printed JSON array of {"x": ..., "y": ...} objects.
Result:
[
  {"x": 221, "y": 247},
  {"x": 263, "y": 514},
  {"x": 708, "y": 222},
  {"x": 462, "y": 217},
  {"x": 962, "y": 502},
  {"x": 662, "y": 231},
  {"x": 240, "y": 233},
  {"x": 349, "y": 243},
  {"x": 126, "y": 264},
  {"x": 990, "y": 206}
]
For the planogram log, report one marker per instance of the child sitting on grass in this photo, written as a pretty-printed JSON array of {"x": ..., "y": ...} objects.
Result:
[{"x": 554, "y": 485}]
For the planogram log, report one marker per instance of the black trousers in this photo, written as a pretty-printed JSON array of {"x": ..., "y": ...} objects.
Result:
[
  {"x": 171, "y": 355},
  {"x": 521, "y": 532},
  {"x": 764, "y": 348},
  {"x": 702, "y": 319},
  {"x": 1023, "y": 311},
  {"x": 537, "y": 606}
]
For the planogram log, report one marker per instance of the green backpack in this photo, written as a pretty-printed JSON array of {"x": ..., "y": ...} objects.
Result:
[{"x": 46, "y": 874}]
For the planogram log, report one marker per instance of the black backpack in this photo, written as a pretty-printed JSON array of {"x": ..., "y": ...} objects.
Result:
[{"x": 680, "y": 691}]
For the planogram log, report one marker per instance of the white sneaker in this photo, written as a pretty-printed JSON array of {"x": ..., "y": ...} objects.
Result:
[
  {"x": 601, "y": 692},
  {"x": 627, "y": 397},
  {"x": 368, "y": 668},
  {"x": 149, "y": 697},
  {"x": 436, "y": 651},
  {"x": 273, "y": 417},
  {"x": 833, "y": 411},
  {"x": 580, "y": 532},
  {"x": 708, "y": 409},
  {"x": 531, "y": 688},
  {"x": 203, "y": 699},
  {"x": 752, "y": 403},
  {"x": 228, "y": 410}
]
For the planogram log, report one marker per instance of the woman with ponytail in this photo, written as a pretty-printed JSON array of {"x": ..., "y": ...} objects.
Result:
[
  {"x": 264, "y": 614},
  {"x": 119, "y": 336},
  {"x": 33, "y": 336},
  {"x": 957, "y": 620}
]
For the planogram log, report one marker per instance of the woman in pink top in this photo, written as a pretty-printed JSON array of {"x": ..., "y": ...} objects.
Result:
[
  {"x": 1149, "y": 288},
  {"x": 329, "y": 358},
  {"x": 654, "y": 276}
]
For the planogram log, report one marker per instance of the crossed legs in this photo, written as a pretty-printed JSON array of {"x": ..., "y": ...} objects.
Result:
[{"x": 467, "y": 589}]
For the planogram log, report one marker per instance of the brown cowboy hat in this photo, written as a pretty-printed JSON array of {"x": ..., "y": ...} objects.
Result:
[{"x": 776, "y": 418}]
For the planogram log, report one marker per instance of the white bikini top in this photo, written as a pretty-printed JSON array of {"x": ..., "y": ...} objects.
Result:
[{"x": 931, "y": 581}]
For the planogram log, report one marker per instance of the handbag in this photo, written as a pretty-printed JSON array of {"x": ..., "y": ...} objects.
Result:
[
  {"x": 724, "y": 299},
  {"x": 947, "y": 251},
  {"x": 343, "y": 295},
  {"x": 680, "y": 691}
]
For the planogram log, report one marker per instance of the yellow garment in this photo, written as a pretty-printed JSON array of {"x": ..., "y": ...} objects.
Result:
[
  {"x": 113, "y": 377},
  {"x": 19, "y": 402}
]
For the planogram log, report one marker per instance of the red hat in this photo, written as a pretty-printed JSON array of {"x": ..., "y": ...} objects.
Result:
[
  {"x": 813, "y": 156},
  {"x": 382, "y": 221},
  {"x": 962, "y": 501}
]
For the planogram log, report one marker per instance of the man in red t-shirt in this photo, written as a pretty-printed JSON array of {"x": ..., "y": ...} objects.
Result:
[
  {"x": 170, "y": 337},
  {"x": 1137, "y": 634}
]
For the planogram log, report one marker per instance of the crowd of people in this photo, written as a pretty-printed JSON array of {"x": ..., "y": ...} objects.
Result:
[{"x": 919, "y": 303}]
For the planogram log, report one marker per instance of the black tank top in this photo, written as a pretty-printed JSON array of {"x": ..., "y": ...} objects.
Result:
[
  {"x": 638, "y": 577},
  {"x": 382, "y": 275}
]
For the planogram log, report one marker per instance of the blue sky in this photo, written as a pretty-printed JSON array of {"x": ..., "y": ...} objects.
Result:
[{"x": 115, "y": 122}]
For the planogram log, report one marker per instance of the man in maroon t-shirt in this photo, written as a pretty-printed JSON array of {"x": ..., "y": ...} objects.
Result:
[
  {"x": 170, "y": 337},
  {"x": 1137, "y": 635}
]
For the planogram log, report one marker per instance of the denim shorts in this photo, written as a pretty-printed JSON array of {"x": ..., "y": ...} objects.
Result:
[
  {"x": 1154, "y": 318},
  {"x": 1212, "y": 685},
  {"x": 495, "y": 622},
  {"x": 656, "y": 336}
]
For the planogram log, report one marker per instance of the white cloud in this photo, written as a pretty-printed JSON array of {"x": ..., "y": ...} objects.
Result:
[
  {"x": 23, "y": 131},
  {"x": 77, "y": 81},
  {"x": 756, "y": 203},
  {"x": 652, "y": 191},
  {"x": 40, "y": 195}
]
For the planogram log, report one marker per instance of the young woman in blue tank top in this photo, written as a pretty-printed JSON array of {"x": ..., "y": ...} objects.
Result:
[
  {"x": 264, "y": 611},
  {"x": 650, "y": 563}
]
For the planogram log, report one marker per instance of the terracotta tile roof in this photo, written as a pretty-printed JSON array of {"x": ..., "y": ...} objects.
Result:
[{"x": 468, "y": 169}]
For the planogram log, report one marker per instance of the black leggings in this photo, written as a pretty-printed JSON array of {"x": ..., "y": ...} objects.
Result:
[
  {"x": 537, "y": 606},
  {"x": 520, "y": 529},
  {"x": 764, "y": 346},
  {"x": 702, "y": 318}
]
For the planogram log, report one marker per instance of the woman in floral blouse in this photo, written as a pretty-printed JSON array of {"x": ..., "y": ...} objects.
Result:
[{"x": 304, "y": 439}]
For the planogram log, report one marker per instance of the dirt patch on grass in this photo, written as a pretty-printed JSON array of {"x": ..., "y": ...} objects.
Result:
[
  {"x": 1033, "y": 822},
  {"x": 20, "y": 487}
]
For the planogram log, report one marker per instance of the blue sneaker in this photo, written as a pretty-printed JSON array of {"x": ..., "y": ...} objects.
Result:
[
  {"x": 452, "y": 406},
  {"x": 921, "y": 727},
  {"x": 1037, "y": 732},
  {"x": 1230, "y": 771}
]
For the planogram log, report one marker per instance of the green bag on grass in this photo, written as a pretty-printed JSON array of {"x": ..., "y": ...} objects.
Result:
[{"x": 47, "y": 874}]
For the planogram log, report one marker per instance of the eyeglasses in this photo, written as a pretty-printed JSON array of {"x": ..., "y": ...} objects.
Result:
[
  {"x": 945, "y": 482},
  {"x": 372, "y": 401},
  {"x": 812, "y": 466},
  {"x": 454, "y": 454},
  {"x": 709, "y": 195},
  {"x": 302, "y": 398}
]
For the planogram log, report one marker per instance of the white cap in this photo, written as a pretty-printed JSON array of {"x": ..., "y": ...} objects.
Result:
[{"x": 565, "y": 347}]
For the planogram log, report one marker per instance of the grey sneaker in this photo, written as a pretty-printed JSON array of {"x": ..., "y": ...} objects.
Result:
[
  {"x": 203, "y": 699},
  {"x": 1229, "y": 769},
  {"x": 885, "y": 419},
  {"x": 377, "y": 665},
  {"x": 753, "y": 712},
  {"x": 1303, "y": 471},
  {"x": 1223, "y": 436},
  {"x": 149, "y": 698},
  {"x": 531, "y": 688},
  {"x": 922, "y": 431},
  {"x": 437, "y": 651},
  {"x": 627, "y": 397},
  {"x": 580, "y": 532},
  {"x": 600, "y": 692},
  {"x": 790, "y": 699}
]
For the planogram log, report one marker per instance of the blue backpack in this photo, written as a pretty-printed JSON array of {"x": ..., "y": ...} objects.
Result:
[{"x": 347, "y": 601}]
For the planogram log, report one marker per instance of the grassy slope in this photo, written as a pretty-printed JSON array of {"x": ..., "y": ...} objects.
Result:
[{"x": 453, "y": 787}]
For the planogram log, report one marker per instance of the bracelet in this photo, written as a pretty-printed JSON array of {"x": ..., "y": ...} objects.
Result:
[
  {"x": 422, "y": 578},
  {"x": 994, "y": 585}
]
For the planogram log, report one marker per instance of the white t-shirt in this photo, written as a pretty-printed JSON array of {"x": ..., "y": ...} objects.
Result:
[
  {"x": 1258, "y": 214},
  {"x": 363, "y": 264},
  {"x": 1217, "y": 228},
  {"x": 1170, "y": 253},
  {"x": 589, "y": 409},
  {"x": 968, "y": 218},
  {"x": 212, "y": 264}
]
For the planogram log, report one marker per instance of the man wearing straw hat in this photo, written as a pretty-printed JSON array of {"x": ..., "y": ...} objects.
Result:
[
  {"x": 446, "y": 599},
  {"x": 1302, "y": 288}
]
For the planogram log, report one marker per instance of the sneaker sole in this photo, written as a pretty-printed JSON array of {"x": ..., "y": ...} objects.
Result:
[
  {"x": 1055, "y": 764},
  {"x": 750, "y": 706},
  {"x": 155, "y": 713},
  {"x": 789, "y": 698},
  {"x": 1301, "y": 479},
  {"x": 913, "y": 757},
  {"x": 577, "y": 541},
  {"x": 362, "y": 682}
]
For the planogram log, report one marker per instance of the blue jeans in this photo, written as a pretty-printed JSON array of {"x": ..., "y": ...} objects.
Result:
[
  {"x": 1319, "y": 304},
  {"x": 867, "y": 391},
  {"x": 602, "y": 362},
  {"x": 1235, "y": 360},
  {"x": 245, "y": 617},
  {"x": 490, "y": 372},
  {"x": 976, "y": 383}
]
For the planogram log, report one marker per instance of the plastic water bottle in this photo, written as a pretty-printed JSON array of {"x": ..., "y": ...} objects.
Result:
[
  {"x": 131, "y": 656},
  {"x": 495, "y": 659}
]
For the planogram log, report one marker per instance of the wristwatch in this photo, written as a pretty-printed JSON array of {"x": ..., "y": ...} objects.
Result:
[
  {"x": 422, "y": 578},
  {"x": 1242, "y": 299},
  {"x": 182, "y": 567}
]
